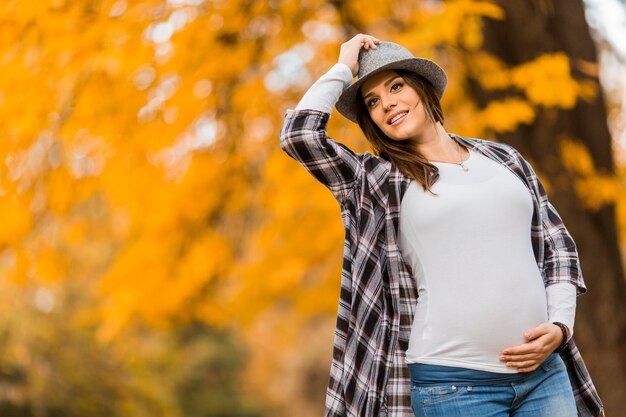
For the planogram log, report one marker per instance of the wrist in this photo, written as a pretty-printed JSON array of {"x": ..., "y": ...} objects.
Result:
[
  {"x": 565, "y": 336},
  {"x": 350, "y": 68}
]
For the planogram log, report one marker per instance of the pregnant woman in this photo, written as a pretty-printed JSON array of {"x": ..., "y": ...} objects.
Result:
[{"x": 459, "y": 279}]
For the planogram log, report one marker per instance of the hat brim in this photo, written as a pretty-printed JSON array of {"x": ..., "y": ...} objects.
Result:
[{"x": 346, "y": 105}]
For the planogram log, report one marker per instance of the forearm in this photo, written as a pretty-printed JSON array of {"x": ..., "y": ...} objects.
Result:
[
  {"x": 325, "y": 92},
  {"x": 561, "y": 300},
  {"x": 304, "y": 137}
]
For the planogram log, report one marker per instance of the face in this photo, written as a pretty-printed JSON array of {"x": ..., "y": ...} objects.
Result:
[{"x": 394, "y": 106}]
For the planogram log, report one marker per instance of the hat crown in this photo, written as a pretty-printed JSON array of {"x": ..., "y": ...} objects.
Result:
[{"x": 387, "y": 52}]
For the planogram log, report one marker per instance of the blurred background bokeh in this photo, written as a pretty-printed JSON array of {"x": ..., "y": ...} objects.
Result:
[{"x": 161, "y": 256}]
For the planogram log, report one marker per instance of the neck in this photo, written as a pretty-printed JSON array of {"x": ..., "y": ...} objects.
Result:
[{"x": 436, "y": 145}]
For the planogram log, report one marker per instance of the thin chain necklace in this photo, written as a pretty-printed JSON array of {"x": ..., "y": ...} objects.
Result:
[{"x": 461, "y": 163}]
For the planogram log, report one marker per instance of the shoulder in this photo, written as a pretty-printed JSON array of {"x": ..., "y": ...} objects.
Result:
[{"x": 502, "y": 151}]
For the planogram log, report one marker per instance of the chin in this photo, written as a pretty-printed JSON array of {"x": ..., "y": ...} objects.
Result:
[
  {"x": 402, "y": 134},
  {"x": 399, "y": 138}
]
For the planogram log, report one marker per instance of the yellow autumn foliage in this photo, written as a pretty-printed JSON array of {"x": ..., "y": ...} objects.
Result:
[
  {"x": 506, "y": 115},
  {"x": 17, "y": 219},
  {"x": 455, "y": 23},
  {"x": 593, "y": 188},
  {"x": 143, "y": 184},
  {"x": 547, "y": 81}
]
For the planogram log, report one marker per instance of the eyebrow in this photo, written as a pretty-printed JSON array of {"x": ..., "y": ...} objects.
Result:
[{"x": 393, "y": 77}]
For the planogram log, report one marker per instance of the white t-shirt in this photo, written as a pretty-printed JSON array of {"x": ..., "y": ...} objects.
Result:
[{"x": 471, "y": 252}]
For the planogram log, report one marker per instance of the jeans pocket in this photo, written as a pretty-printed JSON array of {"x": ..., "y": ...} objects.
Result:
[
  {"x": 439, "y": 394},
  {"x": 550, "y": 362}
]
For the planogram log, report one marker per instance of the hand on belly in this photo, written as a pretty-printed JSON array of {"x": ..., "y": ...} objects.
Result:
[{"x": 540, "y": 343}]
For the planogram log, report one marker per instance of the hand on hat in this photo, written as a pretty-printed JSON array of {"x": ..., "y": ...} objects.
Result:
[{"x": 349, "y": 53}]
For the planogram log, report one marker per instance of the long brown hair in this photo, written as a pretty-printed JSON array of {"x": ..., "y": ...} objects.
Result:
[{"x": 403, "y": 153}]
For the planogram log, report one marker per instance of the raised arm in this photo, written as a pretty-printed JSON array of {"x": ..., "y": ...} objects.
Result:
[{"x": 303, "y": 135}]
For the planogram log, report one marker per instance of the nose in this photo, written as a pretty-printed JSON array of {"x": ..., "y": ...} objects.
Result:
[{"x": 388, "y": 102}]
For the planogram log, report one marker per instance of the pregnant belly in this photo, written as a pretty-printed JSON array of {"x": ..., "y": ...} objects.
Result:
[{"x": 470, "y": 327}]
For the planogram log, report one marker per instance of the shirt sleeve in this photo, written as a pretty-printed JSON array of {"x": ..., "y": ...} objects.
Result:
[
  {"x": 325, "y": 92},
  {"x": 562, "y": 304},
  {"x": 561, "y": 255},
  {"x": 561, "y": 261},
  {"x": 303, "y": 136}
]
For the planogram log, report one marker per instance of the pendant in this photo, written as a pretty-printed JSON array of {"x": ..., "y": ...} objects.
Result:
[{"x": 466, "y": 169}]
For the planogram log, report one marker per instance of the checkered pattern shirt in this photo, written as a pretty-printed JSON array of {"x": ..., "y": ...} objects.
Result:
[{"x": 378, "y": 295}]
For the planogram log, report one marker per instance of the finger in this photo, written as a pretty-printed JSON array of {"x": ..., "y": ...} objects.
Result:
[
  {"x": 522, "y": 364},
  {"x": 536, "y": 332},
  {"x": 369, "y": 44},
  {"x": 520, "y": 357},
  {"x": 535, "y": 349},
  {"x": 368, "y": 40},
  {"x": 527, "y": 348},
  {"x": 524, "y": 349}
]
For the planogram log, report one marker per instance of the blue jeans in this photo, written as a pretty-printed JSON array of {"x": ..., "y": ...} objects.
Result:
[{"x": 544, "y": 392}]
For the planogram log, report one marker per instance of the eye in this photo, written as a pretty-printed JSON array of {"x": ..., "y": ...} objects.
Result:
[{"x": 371, "y": 102}]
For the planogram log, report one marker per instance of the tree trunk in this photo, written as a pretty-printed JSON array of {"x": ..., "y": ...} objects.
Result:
[{"x": 532, "y": 28}]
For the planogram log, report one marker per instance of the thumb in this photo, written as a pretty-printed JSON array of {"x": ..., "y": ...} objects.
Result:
[{"x": 535, "y": 332}]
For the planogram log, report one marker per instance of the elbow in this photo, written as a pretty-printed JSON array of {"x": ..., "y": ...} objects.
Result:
[
  {"x": 288, "y": 134},
  {"x": 288, "y": 140},
  {"x": 303, "y": 135}
]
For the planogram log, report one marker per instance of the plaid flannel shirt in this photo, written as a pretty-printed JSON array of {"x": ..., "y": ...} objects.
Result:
[{"x": 378, "y": 294}]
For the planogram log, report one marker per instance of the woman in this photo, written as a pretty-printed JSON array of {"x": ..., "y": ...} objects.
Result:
[{"x": 459, "y": 278}]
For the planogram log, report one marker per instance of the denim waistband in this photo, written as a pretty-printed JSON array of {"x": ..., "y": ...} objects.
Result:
[{"x": 424, "y": 375}]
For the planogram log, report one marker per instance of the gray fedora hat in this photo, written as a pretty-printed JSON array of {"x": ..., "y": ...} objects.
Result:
[{"x": 389, "y": 55}]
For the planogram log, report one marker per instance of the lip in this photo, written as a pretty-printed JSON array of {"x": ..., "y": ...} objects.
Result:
[{"x": 394, "y": 115}]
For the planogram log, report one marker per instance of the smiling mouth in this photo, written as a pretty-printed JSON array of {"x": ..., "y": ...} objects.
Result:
[{"x": 398, "y": 119}]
